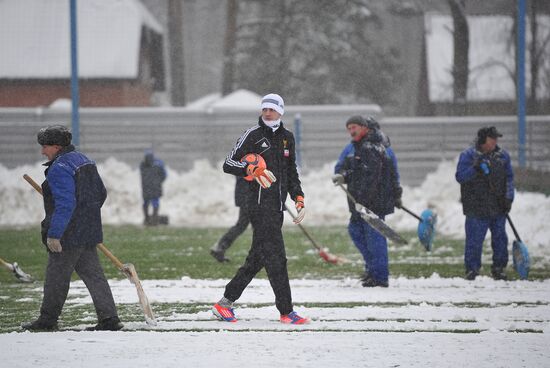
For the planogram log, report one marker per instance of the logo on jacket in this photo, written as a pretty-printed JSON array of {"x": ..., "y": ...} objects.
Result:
[
  {"x": 286, "y": 152},
  {"x": 263, "y": 145}
]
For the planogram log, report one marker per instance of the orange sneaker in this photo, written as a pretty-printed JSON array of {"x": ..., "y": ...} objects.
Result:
[
  {"x": 223, "y": 313},
  {"x": 293, "y": 318}
]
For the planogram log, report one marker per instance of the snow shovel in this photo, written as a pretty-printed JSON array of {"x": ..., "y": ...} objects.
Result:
[
  {"x": 17, "y": 271},
  {"x": 426, "y": 226},
  {"x": 376, "y": 222},
  {"x": 520, "y": 254},
  {"x": 128, "y": 269},
  {"x": 328, "y": 257}
]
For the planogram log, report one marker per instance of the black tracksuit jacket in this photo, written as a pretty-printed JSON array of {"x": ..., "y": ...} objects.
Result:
[
  {"x": 278, "y": 150},
  {"x": 265, "y": 207}
]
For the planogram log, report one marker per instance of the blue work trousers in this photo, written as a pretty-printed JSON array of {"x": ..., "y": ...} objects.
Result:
[
  {"x": 476, "y": 229},
  {"x": 373, "y": 247}
]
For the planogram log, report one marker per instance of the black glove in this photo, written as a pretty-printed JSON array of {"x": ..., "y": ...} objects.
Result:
[
  {"x": 482, "y": 166},
  {"x": 398, "y": 202},
  {"x": 398, "y": 192},
  {"x": 506, "y": 205}
]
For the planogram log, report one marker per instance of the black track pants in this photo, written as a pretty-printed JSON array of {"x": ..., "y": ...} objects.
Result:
[{"x": 268, "y": 250}]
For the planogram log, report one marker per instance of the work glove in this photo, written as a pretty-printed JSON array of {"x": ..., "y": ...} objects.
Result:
[
  {"x": 482, "y": 166},
  {"x": 263, "y": 176},
  {"x": 54, "y": 245},
  {"x": 398, "y": 202},
  {"x": 300, "y": 209},
  {"x": 506, "y": 205},
  {"x": 338, "y": 179}
]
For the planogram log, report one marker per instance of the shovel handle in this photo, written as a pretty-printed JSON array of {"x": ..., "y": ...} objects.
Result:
[
  {"x": 33, "y": 183},
  {"x": 303, "y": 229},
  {"x": 513, "y": 228},
  {"x": 8, "y": 265},
  {"x": 411, "y": 213}
]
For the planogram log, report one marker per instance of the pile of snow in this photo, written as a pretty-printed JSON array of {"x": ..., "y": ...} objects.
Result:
[{"x": 203, "y": 197}]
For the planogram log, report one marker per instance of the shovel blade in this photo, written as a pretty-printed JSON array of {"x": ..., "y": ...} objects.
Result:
[
  {"x": 21, "y": 276},
  {"x": 521, "y": 259},
  {"x": 426, "y": 228}
]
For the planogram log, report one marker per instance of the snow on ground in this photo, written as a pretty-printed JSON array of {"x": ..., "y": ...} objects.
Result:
[
  {"x": 203, "y": 197},
  {"x": 413, "y": 323}
]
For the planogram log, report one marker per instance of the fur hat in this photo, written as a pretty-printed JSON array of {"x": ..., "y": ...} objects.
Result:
[{"x": 54, "y": 135}]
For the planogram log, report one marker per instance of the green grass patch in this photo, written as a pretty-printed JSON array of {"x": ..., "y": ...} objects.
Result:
[{"x": 173, "y": 253}]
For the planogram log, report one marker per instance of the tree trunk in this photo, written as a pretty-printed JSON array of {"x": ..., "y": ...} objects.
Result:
[
  {"x": 229, "y": 47},
  {"x": 177, "y": 70},
  {"x": 460, "y": 72}
]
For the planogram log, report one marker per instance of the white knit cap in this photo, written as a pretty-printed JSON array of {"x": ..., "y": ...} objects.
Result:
[{"x": 275, "y": 102}]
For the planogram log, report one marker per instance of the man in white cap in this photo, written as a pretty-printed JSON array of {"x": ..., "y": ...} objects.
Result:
[{"x": 268, "y": 187}]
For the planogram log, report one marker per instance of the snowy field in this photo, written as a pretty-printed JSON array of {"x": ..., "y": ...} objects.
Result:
[
  {"x": 414, "y": 323},
  {"x": 444, "y": 322}
]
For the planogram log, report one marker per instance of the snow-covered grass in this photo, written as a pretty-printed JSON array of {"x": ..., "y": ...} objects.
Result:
[
  {"x": 414, "y": 323},
  {"x": 429, "y": 316}
]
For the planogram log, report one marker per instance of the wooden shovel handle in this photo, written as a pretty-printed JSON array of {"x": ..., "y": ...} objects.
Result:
[{"x": 33, "y": 183}]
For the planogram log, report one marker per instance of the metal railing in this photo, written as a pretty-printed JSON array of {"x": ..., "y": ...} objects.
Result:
[{"x": 180, "y": 137}]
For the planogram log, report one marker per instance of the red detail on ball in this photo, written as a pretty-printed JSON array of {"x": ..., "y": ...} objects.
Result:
[{"x": 253, "y": 159}]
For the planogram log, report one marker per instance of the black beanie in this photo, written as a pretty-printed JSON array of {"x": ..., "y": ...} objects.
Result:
[{"x": 356, "y": 119}]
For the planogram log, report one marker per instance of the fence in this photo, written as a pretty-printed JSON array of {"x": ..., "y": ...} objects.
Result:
[{"x": 180, "y": 137}]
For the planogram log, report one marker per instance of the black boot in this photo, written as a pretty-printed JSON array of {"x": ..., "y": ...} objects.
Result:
[
  {"x": 108, "y": 324},
  {"x": 370, "y": 282},
  {"x": 471, "y": 275},
  {"x": 218, "y": 253},
  {"x": 155, "y": 217},
  {"x": 39, "y": 326},
  {"x": 498, "y": 273},
  {"x": 146, "y": 218}
]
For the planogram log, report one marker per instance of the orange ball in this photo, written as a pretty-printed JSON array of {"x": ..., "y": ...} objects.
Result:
[{"x": 253, "y": 159}]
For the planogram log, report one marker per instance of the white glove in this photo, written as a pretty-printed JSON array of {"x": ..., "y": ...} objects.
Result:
[
  {"x": 301, "y": 210},
  {"x": 338, "y": 179},
  {"x": 264, "y": 177},
  {"x": 54, "y": 245}
]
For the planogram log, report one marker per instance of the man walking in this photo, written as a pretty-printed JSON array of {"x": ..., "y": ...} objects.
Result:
[
  {"x": 271, "y": 182},
  {"x": 486, "y": 179},
  {"x": 73, "y": 195}
]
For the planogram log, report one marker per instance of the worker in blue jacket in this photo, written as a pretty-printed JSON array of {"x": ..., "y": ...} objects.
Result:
[
  {"x": 369, "y": 166},
  {"x": 73, "y": 195},
  {"x": 486, "y": 179},
  {"x": 153, "y": 174}
]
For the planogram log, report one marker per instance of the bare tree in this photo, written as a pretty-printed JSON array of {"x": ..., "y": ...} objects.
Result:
[
  {"x": 177, "y": 70},
  {"x": 230, "y": 42},
  {"x": 460, "y": 72}
]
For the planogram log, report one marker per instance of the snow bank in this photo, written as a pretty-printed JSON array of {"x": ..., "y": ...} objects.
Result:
[{"x": 203, "y": 197}]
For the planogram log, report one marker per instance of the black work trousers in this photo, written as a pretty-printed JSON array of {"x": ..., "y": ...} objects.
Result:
[
  {"x": 267, "y": 250},
  {"x": 85, "y": 262}
]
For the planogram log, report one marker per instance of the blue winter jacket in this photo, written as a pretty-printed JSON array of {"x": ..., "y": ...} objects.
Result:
[
  {"x": 153, "y": 173},
  {"x": 73, "y": 195},
  {"x": 370, "y": 170},
  {"x": 484, "y": 195}
]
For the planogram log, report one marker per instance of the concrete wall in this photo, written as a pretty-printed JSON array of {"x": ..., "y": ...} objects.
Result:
[{"x": 180, "y": 137}]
